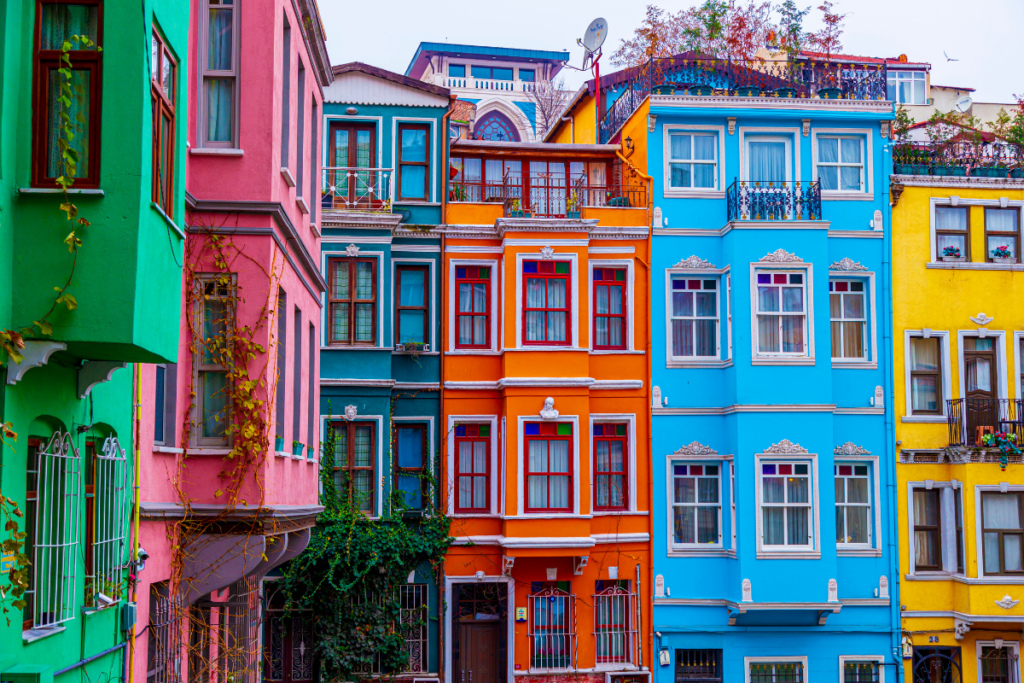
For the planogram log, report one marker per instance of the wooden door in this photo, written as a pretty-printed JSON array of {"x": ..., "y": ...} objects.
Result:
[
  {"x": 478, "y": 648},
  {"x": 289, "y": 649},
  {"x": 353, "y": 146},
  {"x": 980, "y": 382}
]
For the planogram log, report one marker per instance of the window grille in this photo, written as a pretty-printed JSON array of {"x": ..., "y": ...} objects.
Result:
[
  {"x": 55, "y": 560},
  {"x": 698, "y": 666},
  {"x": 614, "y": 624},
  {"x": 289, "y": 647},
  {"x": 552, "y": 629},
  {"x": 226, "y": 634},
  {"x": 860, "y": 672},
  {"x": 164, "y": 656},
  {"x": 111, "y": 494},
  {"x": 777, "y": 672},
  {"x": 412, "y": 598},
  {"x": 999, "y": 665}
]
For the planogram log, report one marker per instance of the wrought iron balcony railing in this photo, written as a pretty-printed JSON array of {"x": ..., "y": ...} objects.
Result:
[
  {"x": 967, "y": 155},
  {"x": 752, "y": 200},
  {"x": 347, "y": 188},
  {"x": 969, "y": 419},
  {"x": 548, "y": 197}
]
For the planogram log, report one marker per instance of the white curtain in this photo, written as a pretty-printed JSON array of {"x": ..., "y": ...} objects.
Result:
[
  {"x": 979, "y": 375},
  {"x": 767, "y": 161}
]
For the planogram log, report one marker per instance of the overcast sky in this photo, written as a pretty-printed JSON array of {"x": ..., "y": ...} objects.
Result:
[{"x": 984, "y": 35}]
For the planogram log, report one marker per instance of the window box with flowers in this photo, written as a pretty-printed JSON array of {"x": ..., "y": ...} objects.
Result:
[
  {"x": 951, "y": 253},
  {"x": 1005, "y": 442},
  {"x": 1003, "y": 255}
]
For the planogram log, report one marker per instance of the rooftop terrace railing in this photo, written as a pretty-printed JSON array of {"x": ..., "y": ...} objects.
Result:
[{"x": 961, "y": 157}]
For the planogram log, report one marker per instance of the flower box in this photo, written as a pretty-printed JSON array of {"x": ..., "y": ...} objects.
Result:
[
  {"x": 748, "y": 91},
  {"x": 702, "y": 90},
  {"x": 1017, "y": 173},
  {"x": 953, "y": 259},
  {"x": 998, "y": 172},
  {"x": 521, "y": 214},
  {"x": 572, "y": 214},
  {"x": 278, "y": 443},
  {"x": 1004, "y": 259},
  {"x": 412, "y": 347},
  {"x": 665, "y": 89},
  {"x": 786, "y": 92},
  {"x": 830, "y": 93}
]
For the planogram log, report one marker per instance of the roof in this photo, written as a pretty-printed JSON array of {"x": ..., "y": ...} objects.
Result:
[
  {"x": 953, "y": 87},
  {"x": 313, "y": 35},
  {"x": 888, "y": 61},
  {"x": 985, "y": 136},
  {"x": 463, "y": 111},
  {"x": 386, "y": 75},
  {"x": 426, "y": 50}
]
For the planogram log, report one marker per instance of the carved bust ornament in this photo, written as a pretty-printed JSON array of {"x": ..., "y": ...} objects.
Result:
[{"x": 548, "y": 412}]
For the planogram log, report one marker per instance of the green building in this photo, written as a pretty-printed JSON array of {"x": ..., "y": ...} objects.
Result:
[{"x": 70, "y": 399}]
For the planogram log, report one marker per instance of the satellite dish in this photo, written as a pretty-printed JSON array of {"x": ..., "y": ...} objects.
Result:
[
  {"x": 964, "y": 103},
  {"x": 595, "y": 36}
]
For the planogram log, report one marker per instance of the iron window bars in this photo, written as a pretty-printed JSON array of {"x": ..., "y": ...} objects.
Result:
[
  {"x": 412, "y": 618},
  {"x": 164, "y": 636},
  {"x": 776, "y": 672},
  {"x": 615, "y": 632},
  {"x": 552, "y": 629},
  {"x": 112, "y": 483},
  {"x": 698, "y": 666}
]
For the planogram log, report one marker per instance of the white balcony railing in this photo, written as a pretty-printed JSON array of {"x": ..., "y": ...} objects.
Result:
[{"x": 470, "y": 83}]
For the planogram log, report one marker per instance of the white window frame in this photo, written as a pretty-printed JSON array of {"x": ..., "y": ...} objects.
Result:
[
  {"x": 574, "y": 420},
  {"x": 693, "y": 192},
  {"x": 617, "y": 418},
  {"x": 969, "y": 202},
  {"x": 747, "y": 661},
  {"x": 786, "y": 135},
  {"x": 112, "y": 493},
  {"x": 492, "y": 302},
  {"x": 873, "y": 546},
  {"x": 947, "y": 527},
  {"x": 870, "y": 358},
  {"x": 1018, "y": 379},
  {"x": 692, "y": 161},
  {"x": 430, "y": 335},
  {"x": 897, "y": 76},
  {"x": 947, "y": 386},
  {"x": 1014, "y": 647},
  {"x": 804, "y": 552},
  {"x": 204, "y": 73},
  {"x": 672, "y": 317},
  {"x": 628, "y": 303},
  {"x": 492, "y": 463},
  {"x": 806, "y": 357},
  {"x": 724, "y": 314},
  {"x": 696, "y": 548},
  {"x": 979, "y": 532},
  {"x": 843, "y": 659},
  {"x": 866, "y": 136},
  {"x": 573, "y": 294}
]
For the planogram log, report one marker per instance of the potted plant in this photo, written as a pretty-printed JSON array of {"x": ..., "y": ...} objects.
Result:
[
  {"x": 748, "y": 91},
  {"x": 279, "y": 443},
  {"x": 1017, "y": 172},
  {"x": 701, "y": 90},
  {"x": 1003, "y": 255},
  {"x": 999, "y": 171},
  {"x": 1006, "y": 443},
  {"x": 572, "y": 206},
  {"x": 517, "y": 210},
  {"x": 830, "y": 93},
  {"x": 665, "y": 89},
  {"x": 297, "y": 448},
  {"x": 952, "y": 253},
  {"x": 786, "y": 92}
]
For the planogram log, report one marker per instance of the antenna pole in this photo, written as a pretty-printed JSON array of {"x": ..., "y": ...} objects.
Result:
[{"x": 597, "y": 100}]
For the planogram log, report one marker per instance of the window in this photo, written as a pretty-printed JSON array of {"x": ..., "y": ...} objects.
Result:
[
  {"x": 781, "y": 314},
  {"x": 698, "y": 666},
  {"x": 215, "y": 311},
  {"x": 164, "y": 84},
  {"x": 162, "y": 637},
  {"x": 1002, "y": 233},
  {"x": 548, "y": 473},
  {"x": 496, "y": 73},
  {"x": 472, "y": 468},
  {"x": 354, "y": 478},
  {"x": 353, "y": 301},
  {"x": 286, "y": 94},
  {"x": 108, "y": 492},
  {"x": 614, "y": 630},
  {"x": 473, "y": 318},
  {"x": 410, "y": 465},
  {"x": 776, "y": 672},
  {"x": 860, "y": 672},
  {"x": 412, "y": 304},
  {"x": 937, "y": 664},
  {"x": 959, "y": 510},
  {"x": 906, "y": 87},
  {"x": 312, "y": 447},
  {"x": 853, "y": 504},
  {"x": 1003, "y": 532},
  {"x": 314, "y": 160},
  {"x": 58, "y": 22},
  {"x": 527, "y": 75},
  {"x": 925, "y": 376},
  {"x": 282, "y": 364},
  {"x": 35, "y": 444},
  {"x": 768, "y": 160},
  {"x": 696, "y": 506},
  {"x": 546, "y": 313},
  {"x": 952, "y": 230},
  {"x": 849, "y": 319},
  {"x": 693, "y": 161},
  {"x": 457, "y": 70},
  {"x": 300, "y": 134},
  {"x": 841, "y": 164},
  {"x": 413, "y": 161},
  {"x": 927, "y": 530},
  {"x": 611, "y": 475},
  {"x": 998, "y": 664},
  {"x": 413, "y": 612},
  {"x": 165, "y": 404},
  {"x": 552, "y": 625},
  {"x": 218, "y": 66},
  {"x": 786, "y": 505},
  {"x": 297, "y": 379},
  {"x": 609, "y": 308},
  {"x": 694, "y": 318}
]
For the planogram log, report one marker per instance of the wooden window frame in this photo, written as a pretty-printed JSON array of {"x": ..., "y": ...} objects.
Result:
[
  {"x": 937, "y": 374},
  {"x": 81, "y": 60},
  {"x": 413, "y": 471},
  {"x": 936, "y": 528},
  {"x": 402, "y": 163},
  {"x": 546, "y": 310},
  {"x": 399, "y": 307},
  {"x": 1001, "y": 532},
  {"x": 999, "y": 233},
  {"x": 624, "y": 316},
  {"x": 351, "y": 301},
  {"x": 351, "y": 467},
  {"x": 202, "y": 134},
  {"x": 163, "y": 185},
  {"x": 966, "y": 232},
  {"x": 199, "y": 368},
  {"x": 486, "y": 315},
  {"x": 459, "y": 474},
  {"x": 527, "y": 440},
  {"x": 612, "y": 438}
]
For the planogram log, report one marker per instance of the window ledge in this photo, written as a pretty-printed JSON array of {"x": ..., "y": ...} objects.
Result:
[
  {"x": 287, "y": 175},
  {"x": 616, "y": 352},
  {"x": 781, "y": 361},
  {"x": 216, "y": 151},
  {"x": 301, "y": 203},
  {"x": 924, "y": 419},
  {"x": 473, "y": 352},
  {"x": 697, "y": 552},
  {"x": 975, "y": 265},
  {"x": 56, "y": 190},
  {"x": 854, "y": 365},
  {"x": 167, "y": 219},
  {"x": 547, "y": 348},
  {"x": 694, "y": 194},
  {"x": 846, "y": 196},
  {"x": 710, "y": 364},
  {"x": 777, "y": 555},
  {"x": 314, "y": 229},
  {"x": 208, "y": 451},
  {"x": 620, "y": 513},
  {"x": 416, "y": 202},
  {"x": 168, "y": 449},
  {"x": 858, "y": 552},
  {"x": 475, "y": 515},
  {"x": 283, "y": 454},
  {"x": 87, "y": 611},
  {"x": 32, "y": 635}
]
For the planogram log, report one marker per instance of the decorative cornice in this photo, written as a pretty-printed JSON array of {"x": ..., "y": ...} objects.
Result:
[
  {"x": 503, "y": 225},
  {"x": 696, "y": 448},
  {"x": 339, "y": 218},
  {"x": 797, "y": 103},
  {"x": 694, "y": 262},
  {"x": 786, "y": 446},
  {"x": 847, "y": 263},
  {"x": 850, "y": 448},
  {"x": 781, "y": 256},
  {"x": 951, "y": 181}
]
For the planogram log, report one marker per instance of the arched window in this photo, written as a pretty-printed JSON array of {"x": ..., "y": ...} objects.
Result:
[{"x": 495, "y": 126}]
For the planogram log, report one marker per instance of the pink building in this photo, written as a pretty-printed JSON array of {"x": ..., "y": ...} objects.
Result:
[{"x": 230, "y": 434}]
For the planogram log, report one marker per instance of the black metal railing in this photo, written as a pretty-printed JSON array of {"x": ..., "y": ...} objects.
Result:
[
  {"x": 556, "y": 201},
  {"x": 751, "y": 200},
  {"x": 704, "y": 75},
  {"x": 967, "y": 155},
  {"x": 969, "y": 419}
]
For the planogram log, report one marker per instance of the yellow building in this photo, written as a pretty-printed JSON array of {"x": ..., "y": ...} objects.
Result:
[{"x": 958, "y": 326}]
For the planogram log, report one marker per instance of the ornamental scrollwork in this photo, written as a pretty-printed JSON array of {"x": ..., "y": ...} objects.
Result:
[
  {"x": 694, "y": 262},
  {"x": 850, "y": 448},
  {"x": 696, "y": 448},
  {"x": 847, "y": 263},
  {"x": 781, "y": 256},
  {"x": 786, "y": 446}
]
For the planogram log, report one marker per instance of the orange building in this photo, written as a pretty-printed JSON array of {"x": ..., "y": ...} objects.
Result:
[{"x": 546, "y": 404}]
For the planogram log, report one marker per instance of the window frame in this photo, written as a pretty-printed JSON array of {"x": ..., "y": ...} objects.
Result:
[
  {"x": 749, "y": 661},
  {"x": 940, "y": 375},
  {"x": 1000, "y": 233},
  {"x": 427, "y": 129},
  {"x": 164, "y": 109},
  {"x": 866, "y": 297},
  {"x": 672, "y": 504},
  {"x": 862, "y": 135},
  {"x": 166, "y": 402},
  {"x": 714, "y": 657},
  {"x": 202, "y": 133},
  {"x": 966, "y": 233},
  {"x": 870, "y": 505},
  {"x": 457, "y": 469},
  {"x": 670, "y": 160},
  {"x": 457, "y": 310},
  {"x": 199, "y": 368},
  {"x": 425, "y": 268},
  {"x": 787, "y": 505},
  {"x": 1019, "y": 495},
  {"x": 936, "y": 528},
  {"x": 351, "y": 467},
  {"x": 674, "y": 129},
  {"x": 1011, "y": 649},
  {"x": 679, "y": 276},
  {"x": 897, "y": 76},
  {"x": 82, "y": 60},
  {"x": 424, "y": 428},
  {"x": 767, "y": 135},
  {"x": 568, "y": 310},
  {"x": 807, "y": 313},
  {"x": 626, "y": 284},
  {"x": 625, "y": 440},
  {"x": 569, "y": 475},
  {"x": 878, "y": 661},
  {"x": 352, "y": 301}
]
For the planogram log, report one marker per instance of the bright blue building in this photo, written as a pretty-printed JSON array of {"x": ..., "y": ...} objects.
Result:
[
  {"x": 774, "y": 534},
  {"x": 385, "y": 152}
]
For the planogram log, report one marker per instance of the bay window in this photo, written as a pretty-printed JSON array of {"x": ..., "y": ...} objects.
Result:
[
  {"x": 786, "y": 512},
  {"x": 472, "y": 306},
  {"x": 781, "y": 311},
  {"x": 472, "y": 468},
  {"x": 546, "y": 310},
  {"x": 609, "y": 308},
  {"x": 164, "y": 86},
  {"x": 611, "y": 478},
  {"x": 696, "y": 506},
  {"x": 549, "y": 480},
  {"x": 218, "y": 69},
  {"x": 353, "y": 301},
  {"x": 849, "y": 319},
  {"x": 694, "y": 318},
  {"x": 215, "y": 310}
]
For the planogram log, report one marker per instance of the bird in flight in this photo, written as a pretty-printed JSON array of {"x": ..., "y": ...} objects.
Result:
[{"x": 948, "y": 58}]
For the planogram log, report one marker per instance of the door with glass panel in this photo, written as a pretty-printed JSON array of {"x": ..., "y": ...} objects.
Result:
[
  {"x": 768, "y": 170},
  {"x": 352, "y": 147},
  {"x": 980, "y": 383},
  {"x": 547, "y": 188}
]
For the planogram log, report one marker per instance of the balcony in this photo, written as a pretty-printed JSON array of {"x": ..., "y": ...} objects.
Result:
[
  {"x": 550, "y": 198},
  {"x": 773, "y": 201},
  {"x": 969, "y": 419},
  {"x": 966, "y": 155},
  {"x": 348, "y": 188},
  {"x": 492, "y": 84}
]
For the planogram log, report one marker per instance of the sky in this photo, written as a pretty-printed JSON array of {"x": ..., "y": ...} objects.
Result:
[{"x": 983, "y": 35}]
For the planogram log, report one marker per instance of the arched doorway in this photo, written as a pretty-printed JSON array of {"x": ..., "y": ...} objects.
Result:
[{"x": 495, "y": 126}]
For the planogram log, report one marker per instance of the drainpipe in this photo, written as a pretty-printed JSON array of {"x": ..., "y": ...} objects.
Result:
[
  {"x": 442, "y": 421},
  {"x": 572, "y": 128},
  {"x": 136, "y": 410}
]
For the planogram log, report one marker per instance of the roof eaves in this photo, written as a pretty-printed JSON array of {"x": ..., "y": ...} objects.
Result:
[{"x": 386, "y": 75}]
